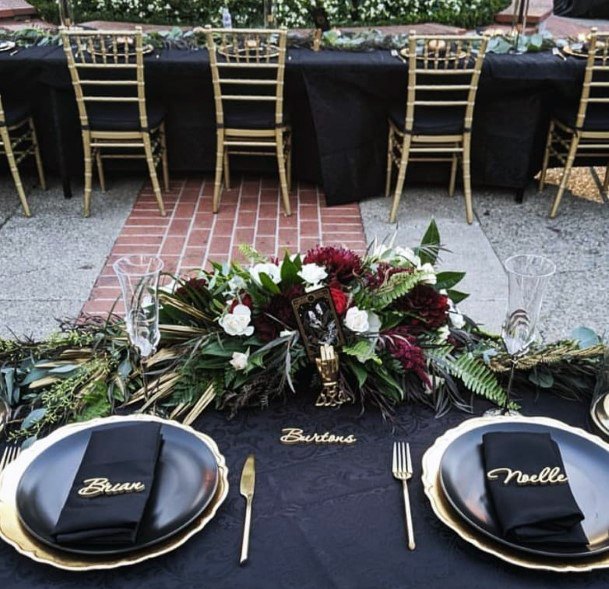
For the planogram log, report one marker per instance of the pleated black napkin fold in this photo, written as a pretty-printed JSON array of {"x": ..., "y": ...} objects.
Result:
[
  {"x": 112, "y": 487},
  {"x": 531, "y": 511}
]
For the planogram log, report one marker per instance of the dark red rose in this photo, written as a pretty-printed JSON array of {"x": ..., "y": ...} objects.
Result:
[
  {"x": 341, "y": 264},
  {"x": 426, "y": 308},
  {"x": 339, "y": 298},
  {"x": 403, "y": 347},
  {"x": 278, "y": 314},
  {"x": 187, "y": 290}
]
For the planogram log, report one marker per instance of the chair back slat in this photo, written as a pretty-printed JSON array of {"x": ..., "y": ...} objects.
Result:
[
  {"x": 247, "y": 65},
  {"x": 596, "y": 76},
  {"x": 106, "y": 67},
  {"x": 443, "y": 71}
]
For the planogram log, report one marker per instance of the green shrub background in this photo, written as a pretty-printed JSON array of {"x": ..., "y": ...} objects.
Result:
[{"x": 292, "y": 13}]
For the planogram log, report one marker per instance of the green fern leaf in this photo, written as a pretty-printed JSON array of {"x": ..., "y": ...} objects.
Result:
[
  {"x": 477, "y": 377},
  {"x": 397, "y": 286}
]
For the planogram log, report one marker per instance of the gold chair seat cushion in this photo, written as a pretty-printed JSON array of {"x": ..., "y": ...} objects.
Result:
[
  {"x": 15, "y": 111},
  {"x": 251, "y": 116},
  {"x": 430, "y": 120},
  {"x": 123, "y": 117},
  {"x": 597, "y": 116}
]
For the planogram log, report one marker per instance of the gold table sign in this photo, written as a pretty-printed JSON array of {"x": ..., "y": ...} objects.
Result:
[{"x": 294, "y": 435}]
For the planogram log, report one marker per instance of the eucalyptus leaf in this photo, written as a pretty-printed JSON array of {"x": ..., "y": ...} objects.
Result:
[
  {"x": 585, "y": 336},
  {"x": 33, "y": 418},
  {"x": 542, "y": 378}
]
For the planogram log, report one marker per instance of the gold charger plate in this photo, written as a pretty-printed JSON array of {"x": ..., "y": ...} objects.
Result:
[
  {"x": 7, "y": 45},
  {"x": 574, "y": 53},
  {"x": 146, "y": 49},
  {"x": 446, "y": 514},
  {"x": 599, "y": 412},
  {"x": 451, "y": 57},
  {"x": 12, "y": 532}
]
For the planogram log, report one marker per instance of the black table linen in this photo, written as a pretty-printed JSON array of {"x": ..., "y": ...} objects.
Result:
[
  {"x": 529, "y": 489},
  {"x": 124, "y": 454}
]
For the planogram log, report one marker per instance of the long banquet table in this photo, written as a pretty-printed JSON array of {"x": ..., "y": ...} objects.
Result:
[
  {"x": 337, "y": 101},
  {"x": 324, "y": 516}
]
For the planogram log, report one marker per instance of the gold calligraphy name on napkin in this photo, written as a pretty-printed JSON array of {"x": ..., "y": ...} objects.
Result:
[
  {"x": 102, "y": 486},
  {"x": 294, "y": 435},
  {"x": 546, "y": 476}
]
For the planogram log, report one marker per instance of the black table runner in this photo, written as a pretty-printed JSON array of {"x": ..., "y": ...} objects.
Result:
[
  {"x": 337, "y": 101},
  {"x": 324, "y": 516}
]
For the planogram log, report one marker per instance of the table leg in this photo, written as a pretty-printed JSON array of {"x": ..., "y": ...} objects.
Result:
[
  {"x": 519, "y": 195},
  {"x": 61, "y": 158}
]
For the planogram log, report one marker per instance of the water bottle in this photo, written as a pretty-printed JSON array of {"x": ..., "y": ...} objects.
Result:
[{"x": 227, "y": 21}]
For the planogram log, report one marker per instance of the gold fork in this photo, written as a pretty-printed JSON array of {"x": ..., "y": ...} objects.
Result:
[
  {"x": 402, "y": 471},
  {"x": 10, "y": 453}
]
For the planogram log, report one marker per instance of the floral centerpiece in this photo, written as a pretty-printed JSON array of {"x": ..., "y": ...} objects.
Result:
[{"x": 230, "y": 339}]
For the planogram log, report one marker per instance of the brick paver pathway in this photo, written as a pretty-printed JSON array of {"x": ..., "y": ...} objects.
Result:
[{"x": 251, "y": 212}]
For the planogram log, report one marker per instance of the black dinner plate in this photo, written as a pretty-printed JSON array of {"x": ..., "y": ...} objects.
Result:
[
  {"x": 185, "y": 481},
  {"x": 587, "y": 466}
]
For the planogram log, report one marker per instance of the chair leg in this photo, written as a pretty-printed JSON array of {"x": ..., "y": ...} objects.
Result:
[
  {"x": 39, "y": 167},
  {"x": 288, "y": 156},
  {"x": 100, "y": 170},
  {"x": 401, "y": 177},
  {"x": 164, "y": 161},
  {"x": 281, "y": 164},
  {"x": 546, "y": 158},
  {"x": 86, "y": 144},
  {"x": 389, "y": 161},
  {"x": 565, "y": 175},
  {"x": 467, "y": 179},
  {"x": 453, "y": 175},
  {"x": 226, "y": 170},
  {"x": 218, "y": 178},
  {"x": 156, "y": 188},
  {"x": 606, "y": 181},
  {"x": 12, "y": 164}
]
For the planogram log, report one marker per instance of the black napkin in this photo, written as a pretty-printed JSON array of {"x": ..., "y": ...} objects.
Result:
[
  {"x": 122, "y": 454},
  {"x": 531, "y": 513}
]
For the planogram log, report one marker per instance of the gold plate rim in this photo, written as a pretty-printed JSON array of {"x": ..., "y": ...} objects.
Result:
[
  {"x": 9, "y": 45},
  {"x": 404, "y": 52},
  {"x": 573, "y": 53},
  {"x": 594, "y": 410},
  {"x": 14, "y": 534},
  {"x": 439, "y": 504}
]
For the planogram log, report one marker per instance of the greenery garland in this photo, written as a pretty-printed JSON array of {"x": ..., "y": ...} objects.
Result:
[
  {"x": 228, "y": 339},
  {"x": 361, "y": 40}
]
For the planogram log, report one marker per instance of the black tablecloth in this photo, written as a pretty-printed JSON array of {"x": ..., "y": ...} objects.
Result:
[
  {"x": 338, "y": 103},
  {"x": 324, "y": 516}
]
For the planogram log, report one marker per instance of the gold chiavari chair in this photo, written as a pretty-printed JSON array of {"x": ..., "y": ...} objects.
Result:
[
  {"x": 107, "y": 71},
  {"x": 17, "y": 141},
  {"x": 436, "y": 123},
  {"x": 582, "y": 128},
  {"x": 248, "y": 67}
]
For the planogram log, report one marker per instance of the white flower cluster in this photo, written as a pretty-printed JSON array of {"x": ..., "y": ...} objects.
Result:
[{"x": 297, "y": 13}]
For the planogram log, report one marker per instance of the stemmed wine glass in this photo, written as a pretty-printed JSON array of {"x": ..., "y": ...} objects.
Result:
[
  {"x": 528, "y": 276},
  {"x": 138, "y": 276}
]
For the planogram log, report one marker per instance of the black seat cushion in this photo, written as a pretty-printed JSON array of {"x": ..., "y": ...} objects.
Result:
[
  {"x": 597, "y": 116},
  {"x": 15, "y": 111},
  {"x": 251, "y": 116},
  {"x": 123, "y": 117},
  {"x": 429, "y": 120}
]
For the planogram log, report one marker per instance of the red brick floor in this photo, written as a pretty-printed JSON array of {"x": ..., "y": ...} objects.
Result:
[{"x": 251, "y": 212}]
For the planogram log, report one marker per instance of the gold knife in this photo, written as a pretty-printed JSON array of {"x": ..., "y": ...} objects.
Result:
[{"x": 248, "y": 482}]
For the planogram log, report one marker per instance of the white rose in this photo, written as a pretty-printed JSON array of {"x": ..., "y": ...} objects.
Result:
[
  {"x": 408, "y": 254},
  {"x": 312, "y": 274},
  {"x": 238, "y": 322},
  {"x": 357, "y": 320},
  {"x": 360, "y": 321},
  {"x": 457, "y": 319},
  {"x": 428, "y": 274},
  {"x": 239, "y": 361},
  {"x": 271, "y": 270}
]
